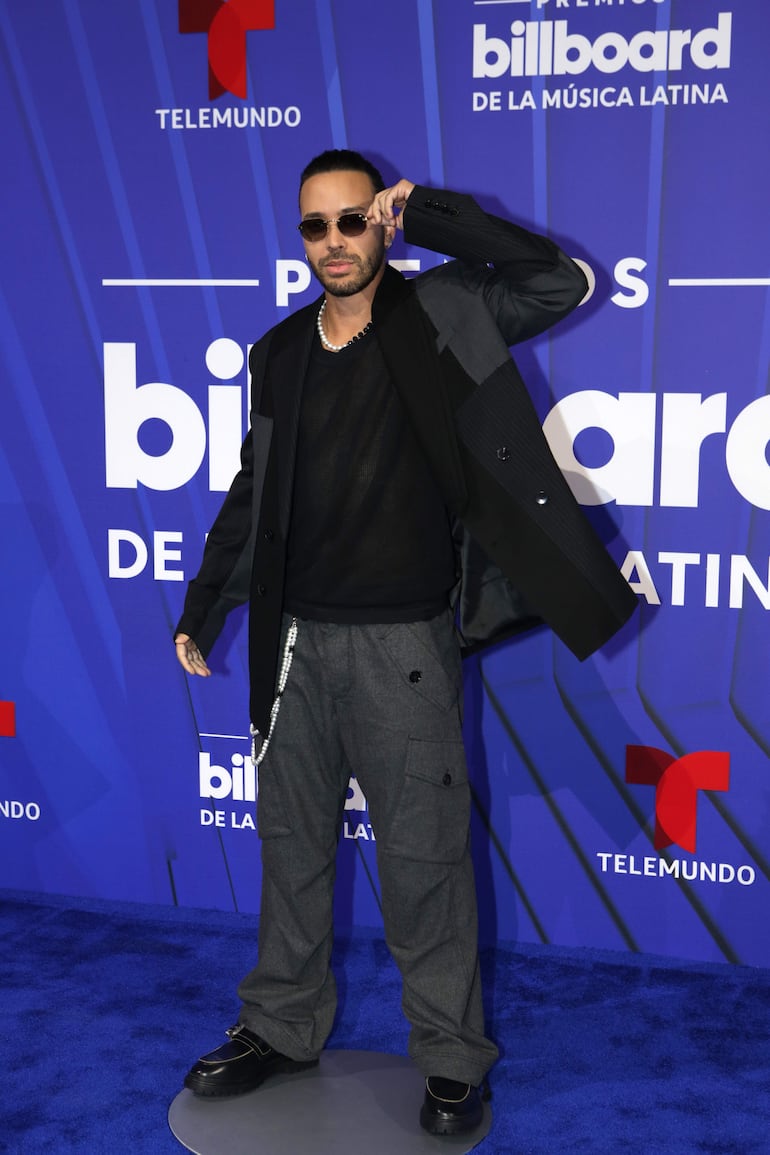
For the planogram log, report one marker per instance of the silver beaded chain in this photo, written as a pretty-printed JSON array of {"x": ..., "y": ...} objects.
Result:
[{"x": 283, "y": 677}]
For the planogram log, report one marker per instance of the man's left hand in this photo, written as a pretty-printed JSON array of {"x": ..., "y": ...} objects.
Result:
[{"x": 387, "y": 208}]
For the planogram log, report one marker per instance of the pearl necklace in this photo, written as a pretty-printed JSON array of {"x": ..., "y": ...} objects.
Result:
[{"x": 325, "y": 340}]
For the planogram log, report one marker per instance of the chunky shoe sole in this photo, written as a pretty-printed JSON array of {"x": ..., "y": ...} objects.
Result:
[
  {"x": 202, "y": 1086},
  {"x": 447, "y": 1125},
  {"x": 450, "y": 1108}
]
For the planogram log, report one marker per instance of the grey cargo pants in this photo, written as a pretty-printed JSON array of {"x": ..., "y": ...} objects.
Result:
[{"x": 383, "y": 703}]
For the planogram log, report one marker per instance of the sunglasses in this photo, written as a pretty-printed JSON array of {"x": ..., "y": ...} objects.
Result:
[{"x": 349, "y": 225}]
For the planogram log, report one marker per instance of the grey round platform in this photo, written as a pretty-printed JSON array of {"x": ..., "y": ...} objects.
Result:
[{"x": 352, "y": 1101}]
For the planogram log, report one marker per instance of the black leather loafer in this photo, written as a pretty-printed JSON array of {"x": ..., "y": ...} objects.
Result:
[
  {"x": 239, "y": 1065},
  {"x": 450, "y": 1107}
]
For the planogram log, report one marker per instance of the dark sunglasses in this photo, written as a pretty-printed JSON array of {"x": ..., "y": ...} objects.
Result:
[{"x": 349, "y": 225}]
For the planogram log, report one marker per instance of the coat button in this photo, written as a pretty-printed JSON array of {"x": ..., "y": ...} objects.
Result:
[
  {"x": 542, "y": 498},
  {"x": 268, "y": 535},
  {"x": 415, "y": 676},
  {"x": 261, "y": 590},
  {"x": 447, "y": 779},
  {"x": 503, "y": 453}
]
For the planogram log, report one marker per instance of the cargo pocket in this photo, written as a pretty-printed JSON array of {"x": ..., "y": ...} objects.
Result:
[
  {"x": 431, "y": 818},
  {"x": 272, "y": 819}
]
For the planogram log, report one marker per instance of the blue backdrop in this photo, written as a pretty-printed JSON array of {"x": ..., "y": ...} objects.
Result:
[{"x": 149, "y": 238}]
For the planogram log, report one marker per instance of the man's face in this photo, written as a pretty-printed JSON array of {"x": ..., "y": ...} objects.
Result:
[{"x": 343, "y": 265}]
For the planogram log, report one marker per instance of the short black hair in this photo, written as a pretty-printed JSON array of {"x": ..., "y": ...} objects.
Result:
[{"x": 342, "y": 160}]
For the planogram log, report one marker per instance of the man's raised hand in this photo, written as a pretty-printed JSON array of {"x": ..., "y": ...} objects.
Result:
[{"x": 387, "y": 208}]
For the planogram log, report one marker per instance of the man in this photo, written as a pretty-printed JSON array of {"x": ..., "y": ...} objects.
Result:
[{"x": 396, "y": 497}]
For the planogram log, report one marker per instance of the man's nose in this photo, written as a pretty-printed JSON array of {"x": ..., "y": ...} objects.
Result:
[{"x": 334, "y": 238}]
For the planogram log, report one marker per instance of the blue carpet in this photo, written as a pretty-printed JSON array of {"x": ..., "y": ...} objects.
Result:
[{"x": 105, "y": 1006}]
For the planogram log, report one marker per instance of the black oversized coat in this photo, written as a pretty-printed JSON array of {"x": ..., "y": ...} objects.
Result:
[{"x": 525, "y": 549}]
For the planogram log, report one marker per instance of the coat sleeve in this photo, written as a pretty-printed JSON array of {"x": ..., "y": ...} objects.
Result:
[
  {"x": 222, "y": 581},
  {"x": 224, "y": 578},
  {"x": 526, "y": 280}
]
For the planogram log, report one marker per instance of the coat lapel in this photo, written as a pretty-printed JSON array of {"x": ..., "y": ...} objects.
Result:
[
  {"x": 408, "y": 343},
  {"x": 285, "y": 377}
]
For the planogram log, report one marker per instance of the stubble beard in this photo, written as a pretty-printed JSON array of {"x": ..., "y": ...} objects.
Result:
[{"x": 368, "y": 268}]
